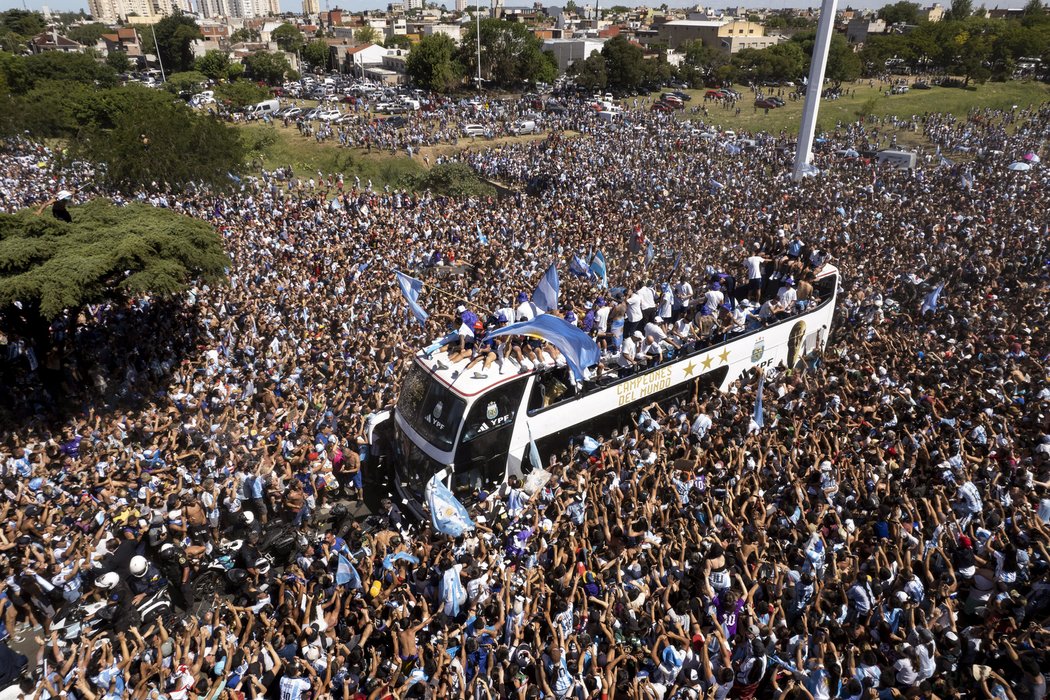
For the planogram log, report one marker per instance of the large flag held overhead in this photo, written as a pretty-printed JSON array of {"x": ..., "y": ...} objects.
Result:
[
  {"x": 482, "y": 238},
  {"x": 447, "y": 515},
  {"x": 579, "y": 349},
  {"x": 546, "y": 295},
  {"x": 410, "y": 288},
  {"x": 599, "y": 269}
]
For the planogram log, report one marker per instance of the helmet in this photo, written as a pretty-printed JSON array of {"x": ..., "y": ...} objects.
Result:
[
  {"x": 107, "y": 581},
  {"x": 249, "y": 517},
  {"x": 139, "y": 566}
]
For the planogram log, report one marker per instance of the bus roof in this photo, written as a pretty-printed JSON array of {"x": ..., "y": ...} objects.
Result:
[{"x": 468, "y": 382}]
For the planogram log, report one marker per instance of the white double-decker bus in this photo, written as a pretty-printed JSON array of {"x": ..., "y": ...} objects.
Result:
[{"x": 473, "y": 429}]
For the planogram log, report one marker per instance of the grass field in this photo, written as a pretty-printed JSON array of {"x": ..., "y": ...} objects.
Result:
[
  {"x": 275, "y": 146},
  {"x": 868, "y": 100}
]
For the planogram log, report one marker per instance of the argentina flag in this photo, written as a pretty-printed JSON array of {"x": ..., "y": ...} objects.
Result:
[
  {"x": 546, "y": 295},
  {"x": 599, "y": 269},
  {"x": 410, "y": 288},
  {"x": 447, "y": 515}
]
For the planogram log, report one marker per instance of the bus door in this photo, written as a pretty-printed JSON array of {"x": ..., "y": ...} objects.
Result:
[{"x": 481, "y": 457}]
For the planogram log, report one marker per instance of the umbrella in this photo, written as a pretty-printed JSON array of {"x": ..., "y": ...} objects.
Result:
[
  {"x": 1031, "y": 157},
  {"x": 1019, "y": 166}
]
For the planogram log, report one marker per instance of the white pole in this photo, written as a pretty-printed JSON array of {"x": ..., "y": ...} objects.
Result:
[
  {"x": 157, "y": 49},
  {"x": 477, "y": 16},
  {"x": 825, "y": 28}
]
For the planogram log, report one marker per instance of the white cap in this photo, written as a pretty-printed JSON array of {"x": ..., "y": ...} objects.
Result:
[{"x": 63, "y": 194}]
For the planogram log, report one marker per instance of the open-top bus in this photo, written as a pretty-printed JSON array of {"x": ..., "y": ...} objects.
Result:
[{"x": 474, "y": 429}]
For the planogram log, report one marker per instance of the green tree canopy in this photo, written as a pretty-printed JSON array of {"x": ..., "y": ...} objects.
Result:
[
  {"x": 108, "y": 253},
  {"x": 288, "y": 37},
  {"x": 241, "y": 93},
  {"x": 902, "y": 12},
  {"x": 23, "y": 23},
  {"x": 118, "y": 61},
  {"x": 510, "y": 53},
  {"x": 591, "y": 72},
  {"x": 22, "y": 73},
  {"x": 398, "y": 41},
  {"x": 368, "y": 35},
  {"x": 166, "y": 144},
  {"x": 190, "y": 81},
  {"x": 433, "y": 65},
  {"x": 959, "y": 10},
  {"x": 624, "y": 63},
  {"x": 175, "y": 36},
  {"x": 87, "y": 34},
  {"x": 268, "y": 67},
  {"x": 214, "y": 63},
  {"x": 317, "y": 55}
]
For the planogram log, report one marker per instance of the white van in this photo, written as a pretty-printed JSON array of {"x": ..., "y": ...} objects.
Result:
[
  {"x": 607, "y": 115},
  {"x": 897, "y": 159},
  {"x": 258, "y": 111},
  {"x": 524, "y": 126}
]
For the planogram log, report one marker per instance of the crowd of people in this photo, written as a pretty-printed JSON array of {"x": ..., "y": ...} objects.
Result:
[{"x": 883, "y": 535}]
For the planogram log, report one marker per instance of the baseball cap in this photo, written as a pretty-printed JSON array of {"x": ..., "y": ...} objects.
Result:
[{"x": 638, "y": 335}]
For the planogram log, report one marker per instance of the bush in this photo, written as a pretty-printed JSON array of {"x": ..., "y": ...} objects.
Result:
[{"x": 452, "y": 179}]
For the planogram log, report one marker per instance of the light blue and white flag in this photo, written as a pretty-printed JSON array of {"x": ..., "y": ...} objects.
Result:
[
  {"x": 546, "y": 295},
  {"x": 930, "y": 302},
  {"x": 410, "y": 288},
  {"x": 759, "y": 417},
  {"x": 346, "y": 574},
  {"x": 599, "y": 270},
  {"x": 390, "y": 559},
  {"x": 578, "y": 266},
  {"x": 447, "y": 515},
  {"x": 482, "y": 238}
]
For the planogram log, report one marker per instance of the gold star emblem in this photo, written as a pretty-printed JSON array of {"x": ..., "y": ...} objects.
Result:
[
  {"x": 706, "y": 362},
  {"x": 689, "y": 369},
  {"x": 724, "y": 355}
]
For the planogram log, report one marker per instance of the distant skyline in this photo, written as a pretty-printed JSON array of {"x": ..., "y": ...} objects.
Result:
[{"x": 358, "y": 5}]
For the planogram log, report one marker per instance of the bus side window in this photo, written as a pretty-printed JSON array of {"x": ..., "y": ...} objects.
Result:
[{"x": 551, "y": 387}]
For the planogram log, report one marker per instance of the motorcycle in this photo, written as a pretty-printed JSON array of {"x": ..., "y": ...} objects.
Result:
[{"x": 75, "y": 620}]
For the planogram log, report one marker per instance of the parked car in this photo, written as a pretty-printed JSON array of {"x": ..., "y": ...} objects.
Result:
[
  {"x": 329, "y": 115},
  {"x": 765, "y": 103},
  {"x": 684, "y": 96},
  {"x": 473, "y": 130},
  {"x": 661, "y": 107},
  {"x": 921, "y": 85},
  {"x": 899, "y": 89}
]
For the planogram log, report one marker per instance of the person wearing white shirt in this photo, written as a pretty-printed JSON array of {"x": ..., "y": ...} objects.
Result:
[
  {"x": 713, "y": 297},
  {"x": 787, "y": 296},
  {"x": 634, "y": 314},
  {"x": 648, "y": 304},
  {"x": 683, "y": 294},
  {"x": 628, "y": 351},
  {"x": 753, "y": 265}
]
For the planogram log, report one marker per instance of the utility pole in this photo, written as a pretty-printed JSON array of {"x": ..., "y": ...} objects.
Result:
[
  {"x": 825, "y": 28},
  {"x": 477, "y": 16},
  {"x": 156, "y": 48}
]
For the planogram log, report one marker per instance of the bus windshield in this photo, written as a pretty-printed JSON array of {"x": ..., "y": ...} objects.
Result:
[{"x": 430, "y": 408}]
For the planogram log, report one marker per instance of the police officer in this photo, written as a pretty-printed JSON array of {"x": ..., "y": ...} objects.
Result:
[
  {"x": 175, "y": 567},
  {"x": 146, "y": 579}
]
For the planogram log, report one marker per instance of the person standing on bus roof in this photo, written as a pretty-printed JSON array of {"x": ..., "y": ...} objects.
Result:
[
  {"x": 633, "y": 319},
  {"x": 753, "y": 265},
  {"x": 527, "y": 310},
  {"x": 628, "y": 352}
]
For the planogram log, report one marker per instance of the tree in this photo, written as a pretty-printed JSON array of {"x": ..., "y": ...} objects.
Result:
[
  {"x": 214, "y": 63},
  {"x": 591, "y": 72},
  {"x": 432, "y": 64},
  {"x": 624, "y": 63},
  {"x": 175, "y": 36},
  {"x": 24, "y": 23},
  {"x": 270, "y": 68},
  {"x": 164, "y": 144},
  {"x": 368, "y": 35},
  {"x": 244, "y": 35},
  {"x": 241, "y": 93},
  {"x": 87, "y": 34},
  {"x": 510, "y": 53},
  {"x": 570, "y": 6},
  {"x": 22, "y": 74},
  {"x": 317, "y": 55},
  {"x": 959, "y": 10},
  {"x": 902, "y": 12},
  {"x": 53, "y": 269},
  {"x": 186, "y": 83},
  {"x": 118, "y": 61},
  {"x": 288, "y": 37},
  {"x": 398, "y": 41}
]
